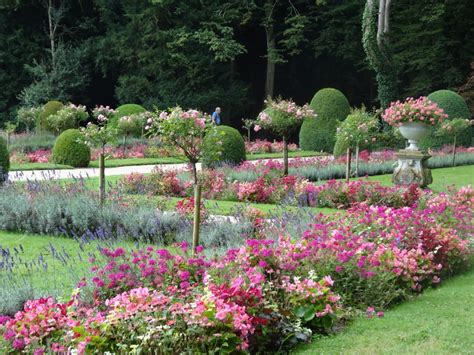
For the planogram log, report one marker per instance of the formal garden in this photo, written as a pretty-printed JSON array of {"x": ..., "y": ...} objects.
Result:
[{"x": 148, "y": 227}]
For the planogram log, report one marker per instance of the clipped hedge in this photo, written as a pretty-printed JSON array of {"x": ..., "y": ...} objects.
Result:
[
  {"x": 4, "y": 160},
  {"x": 232, "y": 148},
  {"x": 68, "y": 150},
  {"x": 455, "y": 107},
  {"x": 50, "y": 108},
  {"x": 317, "y": 134},
  {"x": 126, "y": 110}
]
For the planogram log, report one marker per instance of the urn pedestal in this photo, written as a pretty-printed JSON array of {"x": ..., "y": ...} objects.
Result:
[
  {"x": 412, "y": 165},
  {"x": 412, "y": 168}
]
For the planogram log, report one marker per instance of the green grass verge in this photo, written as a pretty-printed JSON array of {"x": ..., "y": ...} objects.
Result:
[
  {"x": 38, "y": 166},
  {"x": 442, "y": 178},
  {"x": 296, "y": 154},
  {"x": 440, "y": 321}
]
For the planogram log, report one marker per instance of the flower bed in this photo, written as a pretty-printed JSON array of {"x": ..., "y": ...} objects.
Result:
[{"x": 265, "y": 296}]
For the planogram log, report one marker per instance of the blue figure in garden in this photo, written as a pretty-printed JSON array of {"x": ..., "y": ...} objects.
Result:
[{"x": 216, "y": 116}]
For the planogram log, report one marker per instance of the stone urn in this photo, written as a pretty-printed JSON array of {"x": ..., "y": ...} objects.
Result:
[{"x": 413, "y": 132}]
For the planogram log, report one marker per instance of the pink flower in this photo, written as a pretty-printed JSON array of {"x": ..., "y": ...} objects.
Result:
[{"x": 257, "y": 128}]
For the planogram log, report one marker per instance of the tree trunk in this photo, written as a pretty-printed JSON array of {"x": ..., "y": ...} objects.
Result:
[
  {"x": 52, "y": 41},
  {"x": 197, "y": 216},
  {"x": 357, "y": 161},
  {"x": 348, "y": 163},
  {"x": 454, "y": 151},
  {"x": 124, "y": 142},
  {"x": 102, "y": 178},
  {"x": 285, "y": 156},
  {"x": 271, "y": 47}
]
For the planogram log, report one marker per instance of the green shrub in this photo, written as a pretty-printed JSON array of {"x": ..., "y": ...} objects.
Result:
[
  {"x": 126, "y": 110},
  {"x": 50, "y": 108},
  {"x": 232, "y": 150},
  {"x": 318, "y": 134},
  {"x": 455, "y": 107},
  {"x": 68, "y": 150},
  {"x": 4, "y": 159}
]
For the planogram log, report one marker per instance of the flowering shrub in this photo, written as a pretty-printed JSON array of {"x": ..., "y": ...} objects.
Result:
[
  {"x": 263, "y": 146},
  {"x": 69, "y": 116},
  {"x": 185, "y": 208},
  {"x": 414, "y": 110}
]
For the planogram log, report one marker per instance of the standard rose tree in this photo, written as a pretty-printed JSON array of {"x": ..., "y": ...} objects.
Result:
[
  {"x": 184, "y": 130},
  {"x": 360, "y": 127},
  {"x": 282, "y": 117},
  {"x": 453, "y": 128},
  {"x": 99, "y": 135}
]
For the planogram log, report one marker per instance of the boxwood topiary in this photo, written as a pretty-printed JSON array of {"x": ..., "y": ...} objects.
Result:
[
  {"x": 50, "y": 108},
  {"x": 68, "y": 150},
  {"x": 232, "y": 148},
  {"x": 455, "y": 107},
  {"x": 4, "y": 160},
  {"x": 126, "y": 110},
  {"x": 317, "y": 134}
]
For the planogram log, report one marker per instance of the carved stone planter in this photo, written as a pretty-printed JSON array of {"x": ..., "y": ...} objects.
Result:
[{"x": 414, "y": 131}]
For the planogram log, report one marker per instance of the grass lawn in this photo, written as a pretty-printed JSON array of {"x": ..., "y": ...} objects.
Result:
[
  {"x": 442, "y": 177},
  {"x": 38, "y": 166},
  {"x": 296, "y": 154},
  {"x": 440, "y": 321},
  {"x": 52, "y": 263}
]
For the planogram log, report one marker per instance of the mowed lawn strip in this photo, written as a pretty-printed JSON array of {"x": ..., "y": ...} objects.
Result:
[{"x": 440, "y": 321}]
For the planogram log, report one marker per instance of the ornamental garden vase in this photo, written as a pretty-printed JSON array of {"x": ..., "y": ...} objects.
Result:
[{"x": 414, "y": 131}]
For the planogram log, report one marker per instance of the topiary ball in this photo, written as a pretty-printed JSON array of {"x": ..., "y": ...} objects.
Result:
[
  {"x": 455, "y": 107},
  {"x": 4, "y": 160},
  {"x": 68, "y": 150},
  {"x": 125, "y": 110},
  {"x": 50, "y": 108},
  {"x": 232, "y": 148},
  {"x": 318, "y": 133}
]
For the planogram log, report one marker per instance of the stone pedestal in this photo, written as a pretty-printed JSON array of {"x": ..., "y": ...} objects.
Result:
[{"x": 412, "y": 169}]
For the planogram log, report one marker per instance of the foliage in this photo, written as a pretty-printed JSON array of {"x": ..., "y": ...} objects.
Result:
[
  {"x": 50, "y": 108},
  {"x": 455, "y": 107},
  {"x": 63, "y": 80},
  {"x": 452, "y": 104},
  {"x": 421, "y": 110},
  {"x": 358, "y": 129},
  {"x": 282, "y": 117},
  {"x": 4, "y": 158},
  {"x": 27, "y": 117},
  {"x": 231, "y": 149},
  {"x": 134, "y": 124},
  {"x": 70, "y": 116},
  {"x": 100, "y": 134},
  {"x": 317, "y": 134},
  {"x": 68, "y": 150},
  {"x": 125, "y": 110}
]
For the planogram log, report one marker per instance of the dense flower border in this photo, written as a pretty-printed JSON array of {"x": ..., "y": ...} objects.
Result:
[{"x": 266, "y": 295}]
